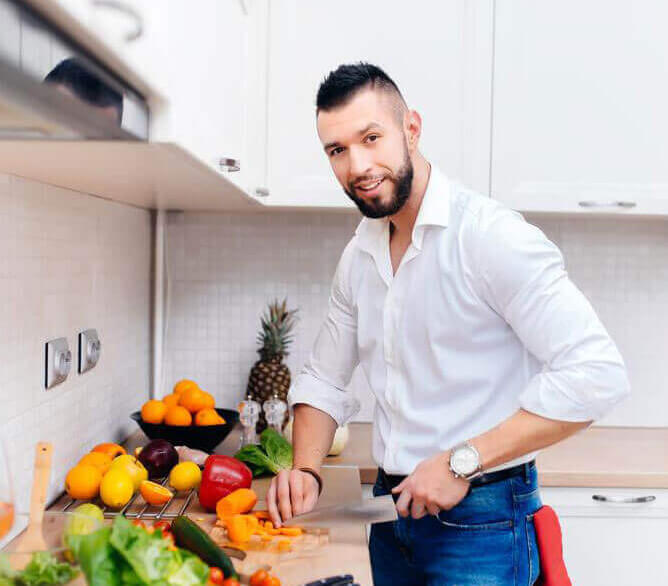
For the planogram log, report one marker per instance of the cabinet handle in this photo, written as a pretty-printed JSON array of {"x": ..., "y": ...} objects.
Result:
[
  {"x": 261, "y": 192},
  {"x": 607, "y": 204},
  {"x": 623, "y": 499},
  {"x": 229, "y": 165},
  {"x": 125, "y": 9}
]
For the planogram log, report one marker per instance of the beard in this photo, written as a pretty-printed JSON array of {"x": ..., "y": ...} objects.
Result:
[{"x": 402, "y": 180}]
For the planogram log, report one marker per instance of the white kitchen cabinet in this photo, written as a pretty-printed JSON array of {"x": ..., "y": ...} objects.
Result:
[
  {"x": 205, "y": 58},
  {"x": 438, "y": 53},
  {"x": 579, "y": 109},
  {"x": 608, "y": 543}
]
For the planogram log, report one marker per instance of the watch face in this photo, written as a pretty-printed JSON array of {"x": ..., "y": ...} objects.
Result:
[{"x": 464, "y": 461}]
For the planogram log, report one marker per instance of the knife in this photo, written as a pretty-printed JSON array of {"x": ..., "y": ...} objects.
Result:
[{"x": 366, "y": 511}]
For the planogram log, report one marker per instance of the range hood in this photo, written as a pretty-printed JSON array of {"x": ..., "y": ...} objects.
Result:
[{"x": 50, "y": 88}]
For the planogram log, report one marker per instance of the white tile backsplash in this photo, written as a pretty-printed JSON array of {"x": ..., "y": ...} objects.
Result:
[
  {"x": 68, "y": 262},
  {"x": 224, "y": 268}
]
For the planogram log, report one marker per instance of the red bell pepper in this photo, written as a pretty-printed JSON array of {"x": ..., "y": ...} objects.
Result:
[{"x": 222, "y": 475}]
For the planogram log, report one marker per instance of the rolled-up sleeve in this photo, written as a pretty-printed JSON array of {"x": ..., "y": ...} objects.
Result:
[
  {"x": 323, "y": 381},
  {"x": 524, "y": 280}
]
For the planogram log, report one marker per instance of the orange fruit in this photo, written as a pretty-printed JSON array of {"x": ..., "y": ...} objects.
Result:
[
  {"x": 184, "y": 385},
  {"x": 196, "y": 399},
  {"x": 178, "y": 416},
  {"x": 153, "y": 411},
  {"x": 108, "y": 448},
  {"x": 171, "y": 400},
  {"x": 100, "y": 460},
  {"x": 83, "y": 481},
  {"x": 154, "y": 493},
  {"x": 208, "y": 417}
]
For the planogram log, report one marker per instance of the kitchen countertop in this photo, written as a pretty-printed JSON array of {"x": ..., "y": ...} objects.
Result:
[
  {"x": 599, "y": 457},
  {"x": 632, "y": 457}
]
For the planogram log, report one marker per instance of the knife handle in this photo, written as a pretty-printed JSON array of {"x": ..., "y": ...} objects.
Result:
[{"x": 341, "y": 580}]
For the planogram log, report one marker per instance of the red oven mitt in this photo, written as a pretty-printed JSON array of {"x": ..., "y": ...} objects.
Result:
[{"x": 548, "y": 535}]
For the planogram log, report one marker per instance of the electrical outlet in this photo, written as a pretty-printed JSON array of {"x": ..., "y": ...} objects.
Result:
[
  {"x": 58, "y": 362},
  {"x": 89, "y": 350}
]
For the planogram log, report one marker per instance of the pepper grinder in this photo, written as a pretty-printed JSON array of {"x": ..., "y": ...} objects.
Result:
[
  {"x": 249, "y": 413},
  {"x": 274, "y": 412}
]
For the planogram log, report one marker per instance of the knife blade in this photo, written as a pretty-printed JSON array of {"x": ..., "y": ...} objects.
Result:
[{"x": 366, "y": 511}]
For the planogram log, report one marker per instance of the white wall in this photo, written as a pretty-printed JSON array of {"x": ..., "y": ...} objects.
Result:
[
  {"x": 225, "y": 267},
  {"x": 68, "y": 262}
]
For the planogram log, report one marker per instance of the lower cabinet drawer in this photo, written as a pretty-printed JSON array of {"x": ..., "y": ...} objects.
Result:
[{"x": 613, "y": 536}]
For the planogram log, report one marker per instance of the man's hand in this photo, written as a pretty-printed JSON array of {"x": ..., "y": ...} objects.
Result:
[
  {"x": 431, "y": 488},
  {"x": 292, "y": 492}
]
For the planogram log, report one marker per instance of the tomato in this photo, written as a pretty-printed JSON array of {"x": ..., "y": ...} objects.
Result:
[
  {"x": 216, "y": 575},
  {"x": 271, "y": 581},
  {"x": 164, "y": 526},
  {"x": 230, "y": 582},
  {"x": 258, "y": 578}
]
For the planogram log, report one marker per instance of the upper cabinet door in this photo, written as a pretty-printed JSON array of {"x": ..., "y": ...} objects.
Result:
[
  {"x": 438, "y": 53},
  {"x": 203, "y": 58},
  {"x": 580, "y": 106}
]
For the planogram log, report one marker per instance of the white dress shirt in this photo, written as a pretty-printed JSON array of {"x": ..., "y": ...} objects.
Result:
[{"x": 479, "y": 320}]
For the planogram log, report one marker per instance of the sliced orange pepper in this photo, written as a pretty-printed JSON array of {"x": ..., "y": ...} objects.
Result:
[
  {"x": 263, "y": 515},
  {"x": 238, "y": 529}
]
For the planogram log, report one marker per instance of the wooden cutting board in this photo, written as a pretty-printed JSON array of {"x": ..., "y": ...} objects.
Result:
[{"x": 340, "y": 548}]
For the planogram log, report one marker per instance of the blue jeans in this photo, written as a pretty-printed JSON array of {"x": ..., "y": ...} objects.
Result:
[{"x": 486, "y": 540}]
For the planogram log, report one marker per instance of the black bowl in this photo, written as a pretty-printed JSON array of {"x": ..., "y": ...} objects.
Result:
[{"x": 198, "y": 437}]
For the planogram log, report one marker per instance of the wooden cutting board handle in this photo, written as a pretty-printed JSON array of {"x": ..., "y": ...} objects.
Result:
[{"x": 40, "y": 483}]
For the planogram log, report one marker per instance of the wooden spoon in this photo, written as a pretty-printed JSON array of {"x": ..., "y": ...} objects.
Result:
[{"x": 33, "y": 538}]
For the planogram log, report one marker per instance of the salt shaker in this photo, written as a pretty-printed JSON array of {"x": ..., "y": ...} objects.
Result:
[
  {"x": 274, "y": 412},
  {"x": 249, "y": 413}
]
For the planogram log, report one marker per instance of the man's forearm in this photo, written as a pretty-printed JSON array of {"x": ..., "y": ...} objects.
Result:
[
  {"x": 521, "y": 434},
  {"x": 312, "y": 435}
]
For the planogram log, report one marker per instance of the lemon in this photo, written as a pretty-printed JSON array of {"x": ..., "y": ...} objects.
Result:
[
  {"x": 185, "y": 476},
  {"x": 133, "y": 467},
  {"x": 116, "y": 488}
]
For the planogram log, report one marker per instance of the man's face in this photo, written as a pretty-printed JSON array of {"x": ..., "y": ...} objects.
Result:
[{"x": 367, "y": 149}]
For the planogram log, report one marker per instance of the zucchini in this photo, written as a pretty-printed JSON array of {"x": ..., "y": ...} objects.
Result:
[{"x": 189, "y": 535}]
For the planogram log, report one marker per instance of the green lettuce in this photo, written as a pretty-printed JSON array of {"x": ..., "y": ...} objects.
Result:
[
  {"x": 272, "y": 455},
  {"x": 126, "y": 555},
  {"x": 43, "y": 569}
]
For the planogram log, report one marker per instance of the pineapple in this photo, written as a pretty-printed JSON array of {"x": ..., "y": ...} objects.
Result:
[{"x": 269, "y": 376}]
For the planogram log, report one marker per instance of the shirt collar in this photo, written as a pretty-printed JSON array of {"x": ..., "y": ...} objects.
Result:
[{"x": 434, "y": 211}]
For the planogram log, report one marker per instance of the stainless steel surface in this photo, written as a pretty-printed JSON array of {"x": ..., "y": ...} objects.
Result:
[
  {"x": 138, "y": 29},
  {"x": 365, "y": 511},
  {"x": 144, "y": 512},
  {"x": 51, "y": 88},
  {"x": 89, "y": 350},
  {"x": 624, "y": 499},
  {"x": 58, "y": 361},
  {"x": 229, "y": 165},
  {"x": 607, "y": 204}
]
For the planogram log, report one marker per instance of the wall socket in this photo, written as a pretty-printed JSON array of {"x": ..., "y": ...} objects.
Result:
[
  {"x": 89, "y": 350},
  {"x": 58, "y": 362}
]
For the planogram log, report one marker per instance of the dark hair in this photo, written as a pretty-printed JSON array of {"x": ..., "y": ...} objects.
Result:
[
  {"x": 85, "y": 85},
  {"x": 345, "y": 81}
]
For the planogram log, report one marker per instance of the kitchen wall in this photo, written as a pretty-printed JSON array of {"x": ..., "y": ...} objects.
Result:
[
  {"x": 69, "y": 262},
  {"x": 224, "y": 268}
]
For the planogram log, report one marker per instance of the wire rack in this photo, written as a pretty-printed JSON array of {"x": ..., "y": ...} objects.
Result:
[{"x": 147, "y": 511}]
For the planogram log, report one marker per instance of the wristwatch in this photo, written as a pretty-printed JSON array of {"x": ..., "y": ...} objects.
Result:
[{"x": 465, "y": 461}]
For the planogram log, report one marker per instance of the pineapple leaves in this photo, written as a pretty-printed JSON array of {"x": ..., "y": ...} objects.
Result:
[{"x": 275, "y": 335}]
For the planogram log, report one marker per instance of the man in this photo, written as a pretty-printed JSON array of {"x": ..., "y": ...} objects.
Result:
[{"x": 478, "y": 348}]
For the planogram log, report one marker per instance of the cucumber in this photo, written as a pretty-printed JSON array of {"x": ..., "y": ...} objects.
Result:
[{"x": 190, "y": 536}]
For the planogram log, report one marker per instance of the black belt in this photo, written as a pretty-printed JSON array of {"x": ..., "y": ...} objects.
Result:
[{"x": 392, "y": 480}]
